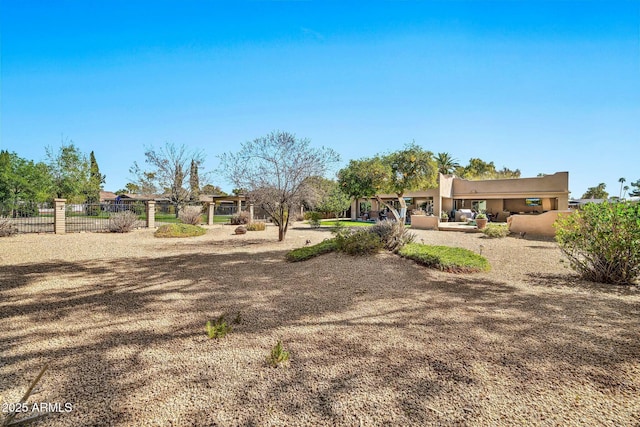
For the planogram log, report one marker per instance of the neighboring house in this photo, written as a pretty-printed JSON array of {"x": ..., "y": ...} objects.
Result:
[
  {"x": 107, "y": 196},
  {"x": 227, "y": 204},
  {"x": 143, "y": 198},
  {"x": 496, "y": 196},
  {"x": 579, "y": 203}
]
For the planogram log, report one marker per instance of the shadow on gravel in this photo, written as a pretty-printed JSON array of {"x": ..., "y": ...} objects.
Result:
[{"x": 404, "y": 343}]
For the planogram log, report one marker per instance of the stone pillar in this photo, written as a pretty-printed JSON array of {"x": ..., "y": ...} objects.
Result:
[
  {"x": 251, "y": 212},
  {"x": 211, "y": 210},
  {"x": 354, "y": 209},
  {"x": 151, "y": 214},
  {"x": 59, "y": 216}
]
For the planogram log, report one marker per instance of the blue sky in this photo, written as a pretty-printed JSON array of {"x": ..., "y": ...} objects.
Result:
[{"x": 539, "y": 86}]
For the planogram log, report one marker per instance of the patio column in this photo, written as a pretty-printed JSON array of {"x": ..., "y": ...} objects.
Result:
[
  {"x": 59, "y": 216},
  {"x": 251, "y": 212},
  {"x": 211, "y": 210},
  {"x": 151, "y": 214},
  {"x": 563, "y": 203},
  {"x": 354, "y": 209}
]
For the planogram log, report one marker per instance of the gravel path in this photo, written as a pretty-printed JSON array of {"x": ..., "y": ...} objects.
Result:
[{"x": 373, "y": 340}]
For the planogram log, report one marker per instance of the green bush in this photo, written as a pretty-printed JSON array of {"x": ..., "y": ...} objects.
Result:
[
  {"x": 445, "y": 258},
  {"x": 218, "y": 328},
  {"x": 358, "y": 242},
  {"x": 257, "y": 226},
  {"x": 393, "y": 234},
  {"x": 496, "y": 230},
  {"x": 278, "y": 355},
  {"x": 308, "y": 252},
  {"x": 314, "y": 219},
  {"x": 179, "y": 230},
  {"x": 602, "y": 241}
]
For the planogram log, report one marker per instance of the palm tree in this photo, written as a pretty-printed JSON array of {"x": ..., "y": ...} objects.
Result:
[
  {"x": 621, "y": 181},
  {"x": 625, "y": 188},
  {"x": 446, "y": 163}
]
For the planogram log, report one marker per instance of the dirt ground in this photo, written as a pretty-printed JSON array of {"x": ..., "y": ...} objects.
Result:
[{"x": 373, "y": 340}]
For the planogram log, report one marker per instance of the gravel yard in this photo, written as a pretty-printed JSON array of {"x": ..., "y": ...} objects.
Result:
[{"x": 373, "y": 340}]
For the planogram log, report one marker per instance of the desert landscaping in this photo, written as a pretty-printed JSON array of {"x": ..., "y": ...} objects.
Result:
[{"x": 373, "y": 340}]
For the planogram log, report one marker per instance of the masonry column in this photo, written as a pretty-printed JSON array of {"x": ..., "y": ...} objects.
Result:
[
  {"x": 251, "y": 212},
  {"x": 151, "y": 214},
  {"x": 354, "y": 209},
  {"x": 211, "y": 210},
  {"x": 59, "y": 216}
]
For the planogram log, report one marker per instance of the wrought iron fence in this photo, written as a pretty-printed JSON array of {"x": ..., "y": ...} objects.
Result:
[
  {"x": 166, "y": 212},
  {"x": 95, "y": 217},
  {"x": 29, "y": 217}
]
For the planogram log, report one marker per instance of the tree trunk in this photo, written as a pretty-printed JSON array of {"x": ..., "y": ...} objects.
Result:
[
  {"x": 282, "y": 224},
  {"x": 403, "y": 207},
  {"x": 391, "y": 208}
]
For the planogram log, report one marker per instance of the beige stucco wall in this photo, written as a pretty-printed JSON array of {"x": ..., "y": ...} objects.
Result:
[
  {"x": 424, "y": 222},
  {"x": 540, "y": 225},
  {"x": 541, "y": 186}
]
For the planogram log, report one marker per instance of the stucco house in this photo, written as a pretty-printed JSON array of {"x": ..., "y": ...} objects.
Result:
[{"x": 501, "y": 198}]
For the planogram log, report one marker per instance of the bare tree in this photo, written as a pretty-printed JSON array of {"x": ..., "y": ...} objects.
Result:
[
  {"x": 275, "y": 170},
  {"x": 170, "y": 164}
]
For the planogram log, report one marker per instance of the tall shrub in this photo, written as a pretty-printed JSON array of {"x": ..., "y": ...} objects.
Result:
[{"x": 602, "y": 242}]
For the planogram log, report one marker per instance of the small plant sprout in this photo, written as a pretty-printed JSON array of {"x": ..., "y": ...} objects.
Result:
[
  {"x": 481, "y": 248},
  {"x": 217, "y": 329},
  {"x": 238, "y": 319},
  {"x": 278, "y": 355}
]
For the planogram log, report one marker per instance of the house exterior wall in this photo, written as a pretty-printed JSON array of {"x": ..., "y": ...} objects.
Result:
[
  {"x": 540, "y": 225},
  {"x": 556, "y": 185},
  {"x": 500, "y": 194}
]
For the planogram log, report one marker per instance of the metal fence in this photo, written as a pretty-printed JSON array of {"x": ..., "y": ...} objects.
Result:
[
  {"x": 95, "y": 217},
  {"x": 166, "y": 212},
  {"x": 29, "y": 217}
]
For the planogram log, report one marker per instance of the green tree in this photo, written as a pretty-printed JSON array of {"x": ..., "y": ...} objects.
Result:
[
  {"x": 479, "y": 169},
  {"x": 96, "y": 180},
  {"x": 366, "y": 178},
  {"x": 70, "y": 172},
  {"x": 411, "y": 168},
  {"x": 22, "y": 180},
  {"x": 446, "y": 164},
  {"x": 194, "y": 181},
  {"x": 621, "y": 181},
  {"x": 636, "y": 189},
  {"x": 212, "y": 190},
  {"x": 275, "y": 170},
  {"x": 327, "y": 197},
  {"x": 597, "y": 192}
]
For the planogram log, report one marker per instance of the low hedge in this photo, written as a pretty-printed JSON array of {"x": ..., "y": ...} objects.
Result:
[
  {"x": 308, "y": 252},
  {"x": 179, "y": 230},
  {"x": 445, "y": 258}
]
